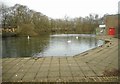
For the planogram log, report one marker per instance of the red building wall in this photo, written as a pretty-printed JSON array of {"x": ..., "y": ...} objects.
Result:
[{"x": 111, "y": 22}]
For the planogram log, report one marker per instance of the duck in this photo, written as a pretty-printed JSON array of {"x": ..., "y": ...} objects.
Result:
[
  {"x": 69, "y": 41},
  {"x": 76, "y": 37},
  {"x": 28, "y": 37}
]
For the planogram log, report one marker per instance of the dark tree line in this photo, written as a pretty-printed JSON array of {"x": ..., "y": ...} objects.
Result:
[{"x": 29, "y": 22}]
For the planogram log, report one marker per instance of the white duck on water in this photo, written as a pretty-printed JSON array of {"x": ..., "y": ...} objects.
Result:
[
  {"x": 76, "y": 37},
  {"x": 28, "y": 37},
  {"x": 69, "y": 41}
]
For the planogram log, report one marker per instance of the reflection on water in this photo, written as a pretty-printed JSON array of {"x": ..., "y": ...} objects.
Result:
[
  {"x": 22, "y": 46},
  {"x": 53, "y": 45}
]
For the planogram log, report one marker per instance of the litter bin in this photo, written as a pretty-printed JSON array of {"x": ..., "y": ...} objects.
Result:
[{"x": 111, "y": 31}]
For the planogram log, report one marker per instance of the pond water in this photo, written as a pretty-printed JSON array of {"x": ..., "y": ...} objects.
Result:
[{"x": 52, "y": 45}]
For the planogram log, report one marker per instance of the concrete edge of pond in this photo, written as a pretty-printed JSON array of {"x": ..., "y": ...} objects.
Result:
[{"x": 106, "y": 39}]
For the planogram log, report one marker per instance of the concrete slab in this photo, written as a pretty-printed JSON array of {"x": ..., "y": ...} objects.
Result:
[
  {"x": 67, "y": 79},
  {"x": 65, "y": 74},
  {"x": 85, "y": 67},
  {"x": 17, "y": 77},
  {"x": 79, "y": 79},
  {"x": 28, "y": 77},
  {"x": 42, "y": 74},
  {"x": 7, "y": 76},
  {"x": 56, "y": 69},
  {"x": 42, "y": 69},
  {"x": 53, "y": 79},
  {"x": 23, "y": 70},
  {"x": 42, "y": 79},
  {"x": 88, "y": 73},
  {"x": 53, "y": 74},
  {"x": 74, "y": 68},
  {"x": 66, "y": 68},
  {"x": 77, "y": 73}
]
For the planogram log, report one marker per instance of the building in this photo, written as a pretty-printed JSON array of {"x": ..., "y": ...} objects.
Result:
[
  {"x": 100, "y": 30},
  {"x": 111, "y": 21}
]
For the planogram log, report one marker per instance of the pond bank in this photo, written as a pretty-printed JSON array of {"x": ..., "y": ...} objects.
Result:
[{"x": 91, "y": 66}]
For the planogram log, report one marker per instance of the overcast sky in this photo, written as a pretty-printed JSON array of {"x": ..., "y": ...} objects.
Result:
[{"x": 71, "y": 8}]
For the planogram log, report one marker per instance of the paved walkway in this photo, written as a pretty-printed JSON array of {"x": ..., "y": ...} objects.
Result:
[{"x": 86, "y": 67}]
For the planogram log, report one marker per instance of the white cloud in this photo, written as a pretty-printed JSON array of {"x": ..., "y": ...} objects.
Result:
[
  {"x": 119, "y": 7},
  {"x": 72, "y": 8}
]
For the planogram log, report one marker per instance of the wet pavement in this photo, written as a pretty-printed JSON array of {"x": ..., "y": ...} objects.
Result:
[{"x": 86, "y": 67}]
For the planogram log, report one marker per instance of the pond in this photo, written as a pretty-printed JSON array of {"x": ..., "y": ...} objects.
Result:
[{"x": 52, "y": 45}]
